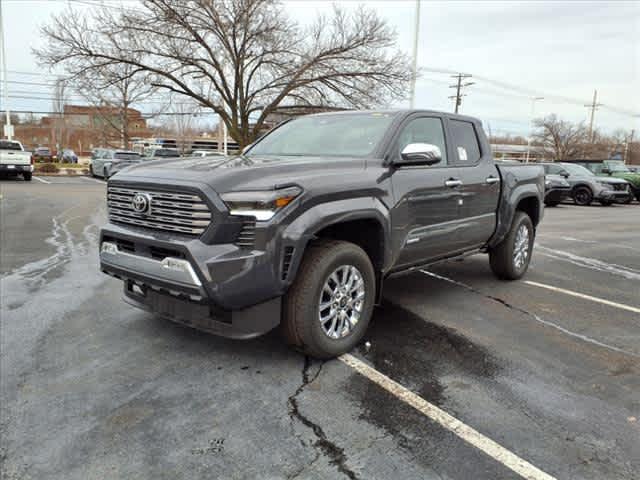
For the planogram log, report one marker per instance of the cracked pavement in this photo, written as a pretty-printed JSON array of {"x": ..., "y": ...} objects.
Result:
[{"x": 93, "y": 389}]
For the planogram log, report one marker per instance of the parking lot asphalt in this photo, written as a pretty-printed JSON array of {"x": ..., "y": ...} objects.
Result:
[{"x": 547, "y": 367}]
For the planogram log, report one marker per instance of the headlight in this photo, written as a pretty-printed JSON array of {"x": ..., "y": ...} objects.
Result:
[
  {"x": 262, "y": 205},
  {"x": 604, "y": 185}
]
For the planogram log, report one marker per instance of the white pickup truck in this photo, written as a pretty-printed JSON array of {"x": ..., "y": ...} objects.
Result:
[{"x": 14, "y": 160}]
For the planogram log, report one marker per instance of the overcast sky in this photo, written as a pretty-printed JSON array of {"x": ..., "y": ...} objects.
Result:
[{"x": 561, "y": 50}]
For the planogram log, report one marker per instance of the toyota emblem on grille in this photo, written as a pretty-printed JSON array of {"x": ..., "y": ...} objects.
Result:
[{"x": 141, "y": 203}]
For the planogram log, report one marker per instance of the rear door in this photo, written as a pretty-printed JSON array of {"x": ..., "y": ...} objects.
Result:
[
  {"x": 480, "y": 191},
  {"x": 426, "y": 211}
]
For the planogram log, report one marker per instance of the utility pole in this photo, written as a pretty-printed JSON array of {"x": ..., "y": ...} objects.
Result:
[
  {"x": 533, "y": 108},
  {"x": 416, "y": 31},
  {"x": 593, "y": 106},
  {"x": 459, "y": 86},
  {"x": 627, "y": 145},
  {"x": 8, "y": 128}
]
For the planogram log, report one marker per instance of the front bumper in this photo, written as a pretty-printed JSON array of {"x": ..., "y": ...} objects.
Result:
[
  {"x": 8, "y": 168},
  {"x": 612, "y": 195},
  {"x": 219, "y": 288}
]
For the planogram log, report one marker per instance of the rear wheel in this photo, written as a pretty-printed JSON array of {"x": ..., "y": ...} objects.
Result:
[
  {"x": 510, "y": 258},
  {"x": 91, "y": 170},
  {"x": 328, "y": 307},
  {"x": 583, "y": 196},
  {"x": 27, "y": 176}
]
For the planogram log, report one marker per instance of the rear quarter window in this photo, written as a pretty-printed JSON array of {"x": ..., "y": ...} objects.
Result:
[{"x": 465, "y": 142}]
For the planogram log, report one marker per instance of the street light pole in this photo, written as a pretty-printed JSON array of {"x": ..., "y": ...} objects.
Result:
[
  {"x": 8, "y": 129},
  {"x": 533, "y": 109},
  {"x": 414, "y": 66}
]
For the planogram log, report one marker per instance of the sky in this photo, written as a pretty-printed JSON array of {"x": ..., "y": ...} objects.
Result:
[{"x": 559, "y": 50}]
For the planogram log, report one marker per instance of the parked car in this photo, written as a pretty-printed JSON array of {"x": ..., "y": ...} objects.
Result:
[
  {"x": 110, "y": 161},
  {"x": 67, "y": 156},
  {"x": 556, "y": 188},
  {"x": 617, "y": 169},
  {"x": 14, "y": 160},
  {"x": 587, "y": 187},
  {"x": 305, "y": 226},
  {"x": 42, "y": 154},
  {"x": 155, "y": 153}
]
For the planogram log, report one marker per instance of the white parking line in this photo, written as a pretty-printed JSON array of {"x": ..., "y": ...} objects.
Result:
[
  {"x": 436, "y": 414},
  {"x": 622, "y": 306},
  {"x": 91, "y": 179},
  {"x": 42, "y": 180}
]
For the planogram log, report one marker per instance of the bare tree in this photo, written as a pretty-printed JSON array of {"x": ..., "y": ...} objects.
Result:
[
  {"x": 239, "y": 58},
  {"x": 560, "y": 139},
  {"x": 113, "y": 90}
]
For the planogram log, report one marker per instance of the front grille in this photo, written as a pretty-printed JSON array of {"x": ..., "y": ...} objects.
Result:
[
  {"x": 247, "y": 236},
  {"x": 184, "y": 213}
]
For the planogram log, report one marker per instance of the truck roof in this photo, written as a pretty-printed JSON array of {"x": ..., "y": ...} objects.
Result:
[{"x": 398, "y": 112}]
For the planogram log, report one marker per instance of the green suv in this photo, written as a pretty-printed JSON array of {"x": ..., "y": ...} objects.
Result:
[{"x": 615, "y": 168}]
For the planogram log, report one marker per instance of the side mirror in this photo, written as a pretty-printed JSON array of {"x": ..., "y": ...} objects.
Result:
[
  {"x": 565, "y": 174},
  {"x": 420, "y": 154},
  {"x": 606, "y": 170}
]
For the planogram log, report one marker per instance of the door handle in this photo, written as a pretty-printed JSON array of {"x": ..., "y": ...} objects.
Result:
[
  {"x": 491, "y": 180},
  {"x": 452, "y": 183}
]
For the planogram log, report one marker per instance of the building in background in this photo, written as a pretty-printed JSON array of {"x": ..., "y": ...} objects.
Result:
[{"x": 81, "y": 128}]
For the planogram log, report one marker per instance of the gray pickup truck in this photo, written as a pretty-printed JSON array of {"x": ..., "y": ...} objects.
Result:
[{"x": 303, "y": 228}]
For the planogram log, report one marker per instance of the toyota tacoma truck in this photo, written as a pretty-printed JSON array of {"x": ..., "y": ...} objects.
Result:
[
  {"x": 14, "y": 160},
  {"x": 304, "y": 227}
]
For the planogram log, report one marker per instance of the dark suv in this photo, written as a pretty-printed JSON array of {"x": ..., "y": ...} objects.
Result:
[{"x": 587, "y": 187}]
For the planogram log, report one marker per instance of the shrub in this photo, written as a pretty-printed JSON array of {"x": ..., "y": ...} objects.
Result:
[{"x": 47, "y": 168}]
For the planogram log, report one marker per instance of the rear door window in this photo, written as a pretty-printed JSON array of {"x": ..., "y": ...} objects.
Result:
[{"x": 465, "y": 142}]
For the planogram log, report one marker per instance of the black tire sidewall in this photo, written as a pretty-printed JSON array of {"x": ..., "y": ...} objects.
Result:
[
  {"x": 312, "y": 335},
  {"x": 589, "y": 196}
]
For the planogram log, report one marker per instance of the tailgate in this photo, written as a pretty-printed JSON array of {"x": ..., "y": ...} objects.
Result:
[{"x": 11, "y": 157}]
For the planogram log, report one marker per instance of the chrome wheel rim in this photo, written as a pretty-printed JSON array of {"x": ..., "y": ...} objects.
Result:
[
  {"x": 341, "y": 302},
  {"x": 521, "y": 248}
]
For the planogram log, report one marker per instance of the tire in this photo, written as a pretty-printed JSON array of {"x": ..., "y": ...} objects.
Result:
[
  {"x": 605, "y": 203},
  {"x": 301, "y": 323},
  {"x": 502, "y": 257},
  {"x": 27, "y": 176},
  {"x": 552, "y": 204},
  {"x": 105, "y": 173},
  {"x": 93, "y": 175},
  {"x": 583, "y": 196}
]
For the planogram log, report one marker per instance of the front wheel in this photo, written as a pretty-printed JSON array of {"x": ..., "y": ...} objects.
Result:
[
  {"x": 510, "y": 259},
  {"x": 105, "y": 173},
  {"x": 583, "y": 196},
  {"x": 27, "y": 176},
  {"x": 328, "y": 307}
]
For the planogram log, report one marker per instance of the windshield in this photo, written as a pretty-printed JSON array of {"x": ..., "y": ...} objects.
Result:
[
  {"x": 618, "y": 167},
  {"x": 4, "y": 145},
  {"x": 349, "y": 135},
  {"x": 577, "y": 170}
]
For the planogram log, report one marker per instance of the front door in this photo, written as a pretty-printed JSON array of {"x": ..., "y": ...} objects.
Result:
[{"x": 426, "y": 211}]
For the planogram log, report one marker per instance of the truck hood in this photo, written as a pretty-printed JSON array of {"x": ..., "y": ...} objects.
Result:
[{"x": 225, "y": 174}]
